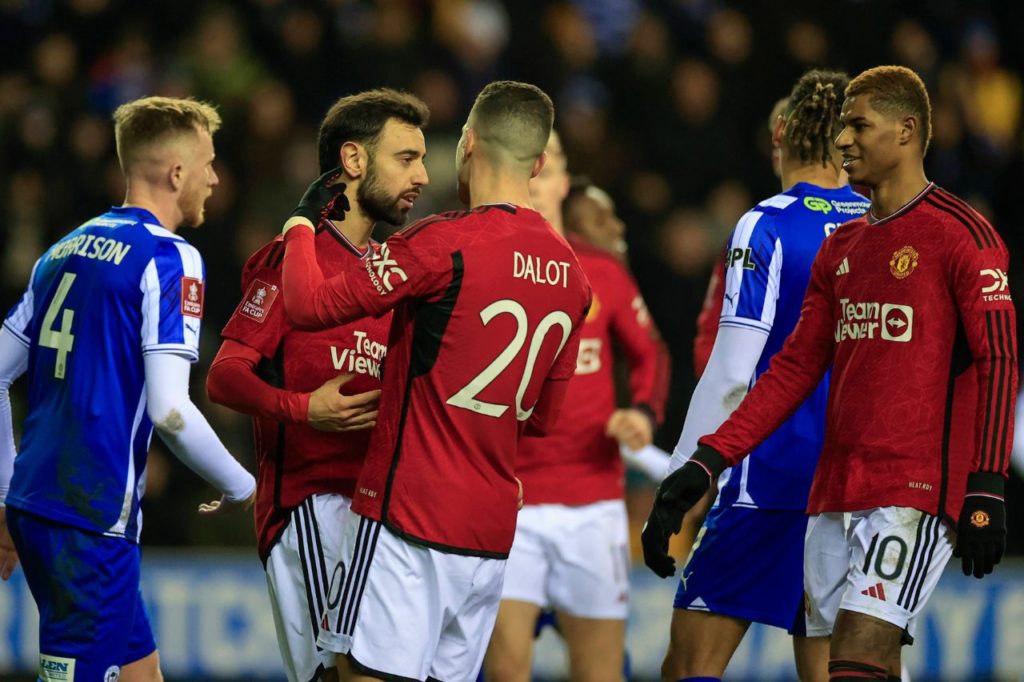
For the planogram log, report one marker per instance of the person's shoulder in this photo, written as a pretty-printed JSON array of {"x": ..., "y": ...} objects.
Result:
[
  {"x": 594, "y": 259},
  {"x": 434, "y": 223},
  {"x": 961, "y": 221}
]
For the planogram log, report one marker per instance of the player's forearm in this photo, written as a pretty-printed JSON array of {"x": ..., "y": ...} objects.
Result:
[
  {"x": 184, "y": 429},
  {"x": 997, "y": 394},
  {"x": 650, "y": 459},
  {"x": 310, "y": 301},
  {"x": 191, "y": 438},
  {"x": 233, "y": 382},
  {"x": 13, "y": 362},
  {"x": 723, "y": 385},
  {"x": 650, "y": 370}
]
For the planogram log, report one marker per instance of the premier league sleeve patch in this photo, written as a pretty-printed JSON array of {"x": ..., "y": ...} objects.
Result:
[
  {"x": 258, "y": 300},
  {"x": 192, "y": 297}
]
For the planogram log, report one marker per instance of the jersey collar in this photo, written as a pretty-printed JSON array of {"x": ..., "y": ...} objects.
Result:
[{"x": 874, "y": 220}]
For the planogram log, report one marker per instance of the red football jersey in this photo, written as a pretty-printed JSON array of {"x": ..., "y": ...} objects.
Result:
[
  {"x": 488, "y": 306},
  {"x": 707, "y": 320},
  {"x": 914, "y": 311},
  {"x": 294, "y": 460},
  {"x": 577, "y": 449}
]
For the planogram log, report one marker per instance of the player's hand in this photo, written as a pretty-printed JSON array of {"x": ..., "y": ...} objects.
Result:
[
  {"x": 981, "y": 530},
  {"x": 519, "y": 499},
  {"x": 680, "y": 491},
  {"x": 8, "y": 554},
  {"x": 224, "y": 503},
  {"x": 325, "y": 199},
  {"x": 329, "y": 410},
  {"x": 631, "y": 427}
]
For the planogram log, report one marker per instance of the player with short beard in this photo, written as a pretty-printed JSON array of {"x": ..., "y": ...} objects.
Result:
[{"x": 310, "y": 438}]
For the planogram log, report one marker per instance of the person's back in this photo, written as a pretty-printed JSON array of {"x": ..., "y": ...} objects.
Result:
[
  {"x": 488, "y": 306},
  {"x": 94, "y": 301},
  {"x": 464, "y": 377}
]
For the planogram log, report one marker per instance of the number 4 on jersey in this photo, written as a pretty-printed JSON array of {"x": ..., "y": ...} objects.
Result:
[
  {"x": 466, "y": 397},
  {"x": 61, "y": 340}
]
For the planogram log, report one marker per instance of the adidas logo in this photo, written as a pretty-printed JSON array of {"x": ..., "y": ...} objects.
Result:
[
  {"x": 844, "y": 267},
  {"x": 876, "y": 591}
]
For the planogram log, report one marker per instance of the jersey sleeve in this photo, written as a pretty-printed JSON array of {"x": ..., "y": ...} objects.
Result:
[
  {"x": 173, "y": 290},
  {"x": 259, "y": 320},
  {"x": 399, "y": 271},
  {"x": 753, "y": 266},
  {"x": 793, "y": 374},
  {"x": 233, "y": 381},
  {"x": 708, "y": 319},
  {"x": 981, "y": 287},
  {"x": 641, "y": 345},
  {"x": 556, "y": 384},
  {"x": 19, "y": 320}
]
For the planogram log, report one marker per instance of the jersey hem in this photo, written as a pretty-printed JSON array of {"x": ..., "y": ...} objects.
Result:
[
  {"x": 65, "y": 519},
  {"x": 440, "y": 547}
]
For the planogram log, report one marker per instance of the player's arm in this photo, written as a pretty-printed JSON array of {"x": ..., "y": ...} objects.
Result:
[
  {"x": 981, "y": 289},
  {"x": 649, "y": 367},
  {"x": 793, "y": 374},
  {"x": 185, "y": 430},
  {"x": 13, "y": 363},
  {"x": 707, "y": 320},
  {"x": 396, "y": 272},
  {"x": 234, "y": 381}
]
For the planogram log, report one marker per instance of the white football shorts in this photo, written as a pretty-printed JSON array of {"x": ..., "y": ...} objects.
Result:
[
  {"x": 572, "y": 559},
  {"x": 405, "y": 611},
  {"x": 882, "y": 562},
  {"x": 298, "y": 572}
]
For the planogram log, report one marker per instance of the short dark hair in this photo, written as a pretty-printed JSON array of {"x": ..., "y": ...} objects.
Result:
[
  {"x": 812, "y": 115},
  {"x": 361, "y": 118},
  {"x": 513, "y": 117},
  {"x": 896, "y": 91}
]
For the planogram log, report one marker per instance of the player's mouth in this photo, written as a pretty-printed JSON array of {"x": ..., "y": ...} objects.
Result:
[
  {"x": 407, "y": 200},
  {"x": 849, "y": 161}
]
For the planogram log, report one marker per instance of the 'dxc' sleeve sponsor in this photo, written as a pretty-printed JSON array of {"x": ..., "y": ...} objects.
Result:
[
  {"x": 981, "y": 287},
  {"x": 793, "y": 374},
  {"x": 396, "y": 273}
]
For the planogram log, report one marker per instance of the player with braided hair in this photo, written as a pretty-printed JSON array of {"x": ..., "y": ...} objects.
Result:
[{"x": 746, "y": 565}]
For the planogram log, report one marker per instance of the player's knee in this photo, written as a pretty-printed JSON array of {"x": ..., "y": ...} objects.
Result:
[{"x": 502, "y": 665}]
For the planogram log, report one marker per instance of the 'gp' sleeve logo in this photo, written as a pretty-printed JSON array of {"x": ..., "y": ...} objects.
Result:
[{"x": 382, "y": 267}]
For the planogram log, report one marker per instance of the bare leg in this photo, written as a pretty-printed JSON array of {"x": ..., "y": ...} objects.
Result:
[
  {"x": 146, "y": 669},
  {"x": 701, "y": 644},
  {"x": 596, "y": 648},
  {"x": 510, "y": 653},
  {"x": 866, "y": 639},
  {"x": 811, "y": 656},
  {"x": 348, "y": 674}
]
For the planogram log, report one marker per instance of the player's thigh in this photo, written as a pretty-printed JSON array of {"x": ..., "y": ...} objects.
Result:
[
  {"x": 826, "y": 565},
  {"x": 300, "y": 567},
  {"x": 86, "y": 587},
  {"x": 589, "y": 575},
  {"x": 509, "y": 655},
  {"x": 867, "y": 639},
  {"x": 897, "y": 555},
  {"x": 596, "y": 647},
  {"x": 811, "y": 657},
  {"x": 387, "y": 607},
  {"x": 146, "y": 669},
  {"x": 529, "y": 561},
  {"x": 463, "y": 641},
  {"x": 701, "y": 644}
]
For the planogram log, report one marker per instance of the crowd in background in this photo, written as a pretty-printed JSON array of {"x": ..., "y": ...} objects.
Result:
[{"x": 664, "y": 103}]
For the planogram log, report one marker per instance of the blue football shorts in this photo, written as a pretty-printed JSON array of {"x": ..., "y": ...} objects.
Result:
[
  {"x": 86, "y": 586},
  {"x": 748, "y": 564}
]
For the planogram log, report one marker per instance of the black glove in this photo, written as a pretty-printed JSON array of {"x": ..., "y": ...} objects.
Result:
[
  {"x": 981, "y": 531},
  {"x": 680, "y": 490},
  {"x": 324, "y": 200}
]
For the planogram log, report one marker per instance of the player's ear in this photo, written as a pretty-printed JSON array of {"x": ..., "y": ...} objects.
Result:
[
  {"x": 176, "y": 176},
  {"x": 538, "y": 165},
  {"x": 777, "y": 130},
  {"x": 354, "y": 159},
  {"x": 907, "y": 130}
]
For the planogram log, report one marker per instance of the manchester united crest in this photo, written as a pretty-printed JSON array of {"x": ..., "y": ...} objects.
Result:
[
  {"x": 979, "y": 519},
  {"x": 904, "y": 262}
]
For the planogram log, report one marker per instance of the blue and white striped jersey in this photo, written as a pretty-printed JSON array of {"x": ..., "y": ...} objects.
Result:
[
  {"x": 768, "y": 266},
  {"x": 116, "y": 288}
]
